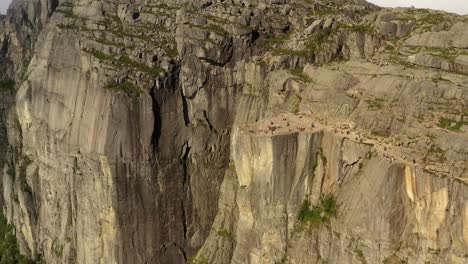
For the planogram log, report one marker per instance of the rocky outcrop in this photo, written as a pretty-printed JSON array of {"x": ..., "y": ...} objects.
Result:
[
  {"x": 180, "y": 131},
  {"x": 375, "y": 212}
]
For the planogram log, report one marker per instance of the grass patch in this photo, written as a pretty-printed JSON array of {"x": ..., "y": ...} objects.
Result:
[
  {"x": 288, "y": 52},
  {"x": 276, "y": 41},
  {"x": 326, "y": 209},
  {"x": 322, "y": 12},
  {"x": 172, "y": 53},
  {"x": 125, "y": 86},
  {"x": 299, "y": 73},
  {"x": 98, "y": 54},
  {"x": 451, "y": 124},
  {"x": 319, "y": 39},
  {"x": 213, "y": 28},
  {"x": 434, "y": 19},
  {"x": 67, "y": 13},
  {"x": 444, "y": 53},
  {"x": 374, "y": 104},
  {"x": 362, "y": 28},
  {"x": 125, "y": 60},
  {"x": 69, "y": 26}
]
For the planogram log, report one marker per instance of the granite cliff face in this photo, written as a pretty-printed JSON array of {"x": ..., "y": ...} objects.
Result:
[{"x": 198, "y": 131}]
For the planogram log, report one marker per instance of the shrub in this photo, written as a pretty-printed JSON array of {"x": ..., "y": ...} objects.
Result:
[
  {"x": 308, "y": 213},
  {"x": 328, "y": 204},
  {"x": 326, "y": 209},
  {"x": 9, "y": 252},
  {"x": 7, "y": 85}
]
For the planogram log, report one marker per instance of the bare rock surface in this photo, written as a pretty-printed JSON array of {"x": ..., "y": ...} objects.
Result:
[{"x": 196, "y": 131}]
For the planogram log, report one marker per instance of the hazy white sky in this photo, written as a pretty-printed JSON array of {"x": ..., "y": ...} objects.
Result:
[
  {"x": 455, "y": 6},
  {"x": 4, "y": 5}
]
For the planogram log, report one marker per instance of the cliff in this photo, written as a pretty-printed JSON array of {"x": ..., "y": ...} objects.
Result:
[{"x": 234, "y": 132}]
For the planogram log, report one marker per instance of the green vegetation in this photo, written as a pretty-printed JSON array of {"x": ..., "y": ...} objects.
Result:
[
  {"x": 227, "y": 234},
  {"x": 311, "y": 47},
  {"x": 375, "y": 104},
  {"x": 322, "y": 12},
  {"x": 68, "y": 26},
  {"x": 444, "y": 53},
  {"x": 99, "y": 54},
  {"x": 7, "y": 85},
  {"x": 67, "y": 13},
  {"x": 451, "y": 124},
  {"x": 436, "y": 149},
  {"x": 322, "y": 157},
  {"x": 214, "y": 28},
  {"x": 232, "y": 165},
  {"x": 283, "y": 260},
  {"x": 363, "y": 28},
  {"x": 199, "y": 259},
  {"x": 9, "y": 252},
  {"x": 125, "y": 86},
  {"x": 125, "y": 61},
  {"x": 273, "y": 42},
  {"x": 308, "y": 214},
  {"x": 299, "y": 73},
  {"x": 172, "y": 53},
  {"x": 320, "y": 213},
  {"x": 380, "y": 133},
  {"x": 288, "y": 52},
  {"x": 434, "y": 19},
  {"x": 25, "y": 162},
  {"x": 319, "y": 39},
  {"x": 360, "y": 254},
  {"x": 12, "y": 172}
]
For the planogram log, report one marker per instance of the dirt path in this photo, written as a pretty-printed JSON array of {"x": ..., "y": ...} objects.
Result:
[{"x": 285, "y": 124}]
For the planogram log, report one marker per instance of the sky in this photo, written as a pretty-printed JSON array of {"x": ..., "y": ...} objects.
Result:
[
  {"x": 4, "y": 5},
  {"x": 455, "y": 6}
]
